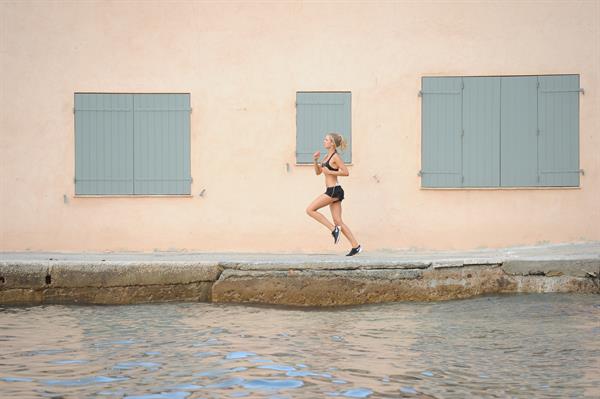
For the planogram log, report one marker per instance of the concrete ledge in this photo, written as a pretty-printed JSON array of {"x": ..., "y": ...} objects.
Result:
[
  {"x": 353, "y": 287},
  {"x": 467, "y": 262},
  {"x": 556, "y": 284},
  {"x": 106, "y": 282},
  {"x": 353, "y": 264},
  {"x": 373, "y": 274},
  {"x": 30, "y": 275},
  {"x": 569, "y": 267},
  {"x": 114, "y": 274},
  {"x": 117, "y": 295},
  {"x": 299, "y": 280}
]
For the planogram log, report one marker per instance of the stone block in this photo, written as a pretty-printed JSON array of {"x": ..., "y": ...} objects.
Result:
[
  {"x": 16, "y": 274},
  {"x": 111, "y": 274}
]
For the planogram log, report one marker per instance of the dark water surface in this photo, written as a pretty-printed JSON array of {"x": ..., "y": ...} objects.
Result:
[{"x": 522, "y": 346}]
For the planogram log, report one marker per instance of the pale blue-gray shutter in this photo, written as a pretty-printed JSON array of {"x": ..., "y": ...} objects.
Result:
[
  {"x": 441, "y": 129},
  {"x": 103, "y": 143},
  {"x": 162, "y": 144},
  {"x": 481, "y": 132},
  {"x": 558, "y": 121},
  {"x": 319, "y": 113},
  {"x": 519, "y": 137}
]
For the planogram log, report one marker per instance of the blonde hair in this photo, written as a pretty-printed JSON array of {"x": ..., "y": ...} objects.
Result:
[{"x": 338, "y": 141}]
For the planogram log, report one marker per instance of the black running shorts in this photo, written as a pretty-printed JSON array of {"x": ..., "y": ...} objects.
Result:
[{"x": 336, "y": 192}]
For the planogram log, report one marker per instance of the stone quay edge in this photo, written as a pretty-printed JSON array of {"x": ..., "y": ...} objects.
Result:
[{"x": 295, "y": 280}]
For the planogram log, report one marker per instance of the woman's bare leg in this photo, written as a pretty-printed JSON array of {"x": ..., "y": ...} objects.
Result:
[
  {"x": 336, "y": 213},
  {"x": 319, "y": 202}
]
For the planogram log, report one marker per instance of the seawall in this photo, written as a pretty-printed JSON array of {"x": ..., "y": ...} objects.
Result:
[{"x": 298, "y": 280}]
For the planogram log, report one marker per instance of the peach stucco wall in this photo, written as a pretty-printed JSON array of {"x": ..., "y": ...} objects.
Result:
[{"x": 243, "y": 62}]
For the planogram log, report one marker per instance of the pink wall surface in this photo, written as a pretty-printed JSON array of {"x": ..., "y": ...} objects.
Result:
[{"x": 242, "y": 63}]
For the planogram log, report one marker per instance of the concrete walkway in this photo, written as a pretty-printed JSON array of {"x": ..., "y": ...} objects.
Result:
[
  {"x": 295, "y": 279},
  {"x": 567, "y": 251}
]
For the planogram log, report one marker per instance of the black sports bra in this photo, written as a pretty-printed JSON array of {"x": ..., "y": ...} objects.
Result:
[{"x": 326, "y": 163}]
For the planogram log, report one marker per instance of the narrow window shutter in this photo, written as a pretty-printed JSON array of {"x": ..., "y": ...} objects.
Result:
[
  {"x": 319, "y": 113},
  {"x": 481, "y": 127},
  {"x": 441, "y": 147},
  {"x": 103, "y": 143},
  {"x": 162, "y": 144},
  {"x": 558, "y": 121},
  {"x": 519, "y": 138}
]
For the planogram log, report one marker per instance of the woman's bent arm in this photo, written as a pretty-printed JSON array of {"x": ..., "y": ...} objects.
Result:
[{"x": 343, "y": 170}]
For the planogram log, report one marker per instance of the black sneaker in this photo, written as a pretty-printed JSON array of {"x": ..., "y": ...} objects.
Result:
[
  {"x": 354, "y": 251},
  {"x": 336, "y": 234}
]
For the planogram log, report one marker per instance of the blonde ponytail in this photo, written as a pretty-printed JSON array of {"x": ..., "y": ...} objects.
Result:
[{"x": 339, "y": 141}]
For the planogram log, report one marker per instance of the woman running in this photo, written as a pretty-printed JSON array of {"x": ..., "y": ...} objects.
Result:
[{"x": 332, "y": 167}]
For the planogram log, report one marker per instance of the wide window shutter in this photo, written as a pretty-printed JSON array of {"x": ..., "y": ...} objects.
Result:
[
  {"x": 558, "y": 121},
  {"x": 319, "y": 113},
  {"x": 162, "y": 144},
  {"x": 103, "y": 143},
  {"x": 519, "y": 157},
  {"x": 481, "y": 132},
  {"x": 441, "y": 142}
]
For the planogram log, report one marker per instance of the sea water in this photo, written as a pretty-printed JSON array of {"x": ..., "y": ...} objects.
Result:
[{"x": 513, "y": 346}]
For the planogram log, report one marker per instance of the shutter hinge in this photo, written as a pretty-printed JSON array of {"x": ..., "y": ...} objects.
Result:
[
  {"x": 420, "y": 174},
  {"x": 538, "y": 84},
  {"x": 462, "y": 178},
  {"x": 73, "y": 110},
  {"x": 191, "y": 110},
  {"x": 462, "y": 133},
  {"x": 462, "y": 85},
  {"x": 75, "y": 180},
  {"x": 581, "y": 90},
  {"x": 538, "y": 132},
  {"x": 191, "y": 179},
  {"x": 538, "y": 178},
  {"x": 582, "y": 172},
  {"x": 420, "y": 93}
]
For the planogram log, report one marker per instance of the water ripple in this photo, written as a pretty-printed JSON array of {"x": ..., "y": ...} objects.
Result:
[{"x": 521, "y": 346}]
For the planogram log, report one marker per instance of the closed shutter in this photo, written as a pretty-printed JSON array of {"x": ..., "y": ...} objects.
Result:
[
  {"x": 481, "y": 130},
  {"x": 441, "y": 143},
  {"x": 103, "y": 143},
  {"x": 319, "y": 113},
  {"x": 162, "y": 144},
  {"x": 519, "y": 157},
  {"x": 558, "y": 121},
  {"x": 513, "y": 131}
]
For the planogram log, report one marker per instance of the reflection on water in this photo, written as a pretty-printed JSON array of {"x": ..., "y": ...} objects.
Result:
[{"x": 535, "y": 345}]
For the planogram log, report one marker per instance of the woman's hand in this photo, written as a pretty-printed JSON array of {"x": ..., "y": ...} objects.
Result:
[{"x": 318, "y": 167}]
